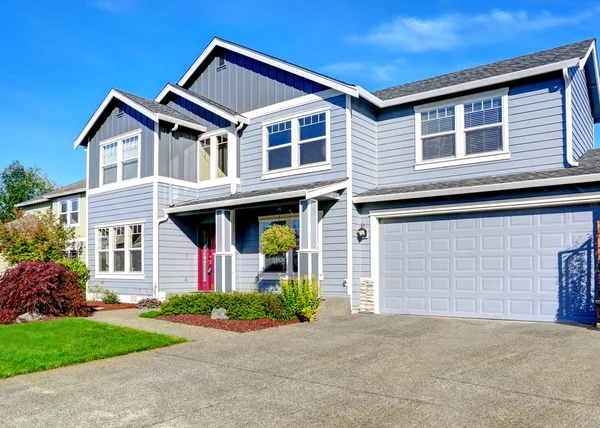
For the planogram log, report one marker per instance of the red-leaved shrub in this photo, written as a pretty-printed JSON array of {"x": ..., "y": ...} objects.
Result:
[{"x": 46, "y": 288}]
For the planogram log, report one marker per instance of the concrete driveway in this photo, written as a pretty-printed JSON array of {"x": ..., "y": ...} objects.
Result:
[{"x": 358, "y": 370}]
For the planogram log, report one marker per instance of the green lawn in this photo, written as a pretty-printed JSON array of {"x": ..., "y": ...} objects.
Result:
[{"x": 26, "y": 348}]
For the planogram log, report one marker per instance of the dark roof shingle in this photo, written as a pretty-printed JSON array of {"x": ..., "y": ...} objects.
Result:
[
  {"x": 157, "y": 108},
  {"x": 206, "y": 100},
  {"x": 550, "y": 56},
  {"x": 77, "y": 187}
]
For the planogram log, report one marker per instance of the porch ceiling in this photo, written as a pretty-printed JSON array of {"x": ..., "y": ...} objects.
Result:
[{"x": 318, "y": 190}]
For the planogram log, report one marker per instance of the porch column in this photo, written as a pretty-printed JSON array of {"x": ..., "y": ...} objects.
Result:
[
  {"x": 308, "y": 250},
  {"x": 225, "y": 239}
]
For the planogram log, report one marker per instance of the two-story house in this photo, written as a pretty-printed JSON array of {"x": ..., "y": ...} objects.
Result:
[{"x": 470, "y": 194}]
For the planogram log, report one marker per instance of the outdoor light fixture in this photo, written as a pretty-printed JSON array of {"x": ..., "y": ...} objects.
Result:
[{"x": 362, "y": 232}]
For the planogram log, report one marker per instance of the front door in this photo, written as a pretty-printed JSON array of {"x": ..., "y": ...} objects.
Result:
[{"x": 206, "y": 251}]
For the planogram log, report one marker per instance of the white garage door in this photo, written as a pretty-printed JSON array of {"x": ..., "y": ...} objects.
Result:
[{"x": 527, "y": 265}]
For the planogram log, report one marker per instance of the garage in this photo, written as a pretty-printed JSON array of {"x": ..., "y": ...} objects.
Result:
[{"x": 535, "y": 265}]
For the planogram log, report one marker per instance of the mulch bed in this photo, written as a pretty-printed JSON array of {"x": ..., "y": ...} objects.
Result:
[
  {"x": 99, "y": 306},
  {"x": 238, "y": 326}
]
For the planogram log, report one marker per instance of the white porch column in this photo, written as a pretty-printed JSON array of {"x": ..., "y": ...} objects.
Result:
[
  {"x": 308, "y": 250},
  {"x": 224, "y": 254}
]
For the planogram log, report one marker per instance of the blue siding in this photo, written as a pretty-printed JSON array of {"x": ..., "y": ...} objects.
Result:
[
  {"x": 251, "y": 153},
  {"x": 364, "y": 146},
  {"x": 536, "y": 139},
  {"x": 178, "y": 153},
  {"x": 119, "y": 119},
  {"x": 583, "y": 121},
  {"x": 244, "y": 84},
  {"x": 205, "y": 117},
  {"x": 133, "y": 203}
]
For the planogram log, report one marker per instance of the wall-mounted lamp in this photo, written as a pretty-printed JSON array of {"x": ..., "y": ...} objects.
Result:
[{"x": 363, "y": 232}]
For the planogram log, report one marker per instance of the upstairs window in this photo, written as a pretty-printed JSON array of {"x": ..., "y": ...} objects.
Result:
[
  {"x": 462, "y": 131},
  {"x": 297, "y": 143},
  {"x": 68, "y": 211},
  {"x": 119, "y": 249},
  {"x": 214, "y": 157},
  {"x": 119, "y": 158}
]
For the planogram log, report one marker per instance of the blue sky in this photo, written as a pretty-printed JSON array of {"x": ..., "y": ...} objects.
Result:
[{"x": 58, "y": 59}]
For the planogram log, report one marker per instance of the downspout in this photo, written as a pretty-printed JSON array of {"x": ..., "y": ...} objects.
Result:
[{"x": 569, "y": 118}]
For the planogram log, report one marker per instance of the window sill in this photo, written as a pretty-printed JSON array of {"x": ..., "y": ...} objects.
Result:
[
  {"x": 323, "y": 166},
  {"x": 127, "y": 276},
  {"x": 467, "y": 160}
]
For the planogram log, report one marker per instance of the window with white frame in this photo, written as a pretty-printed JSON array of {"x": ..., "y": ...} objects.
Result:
[
  {"x": 284, "y": 264},
  {"x": 120, "y": 249},
  {"x": 213, "y": 159},
  {"x": 296, "y": 142},
  {"x": 68, "y": 211},
  {"x": 119, "y": 158},
  {"x": 462, "y": 131}
]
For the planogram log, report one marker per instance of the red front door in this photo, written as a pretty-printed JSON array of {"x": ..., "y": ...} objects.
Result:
[{"x": 206, "y": 251}]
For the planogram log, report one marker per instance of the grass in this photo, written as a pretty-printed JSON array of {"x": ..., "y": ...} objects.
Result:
[{"x": 27, "y": 348}]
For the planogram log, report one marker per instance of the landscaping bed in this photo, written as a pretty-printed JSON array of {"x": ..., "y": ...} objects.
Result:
[
  {"x": 238, "y": 326},
  {"x": 99, "y": 306}
]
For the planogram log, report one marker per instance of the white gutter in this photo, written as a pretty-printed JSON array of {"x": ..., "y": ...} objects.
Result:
[
  {"x": 578, "y": 179},
  {"x": 185, "y": 123},
  {"x": 569, "y": 118}
]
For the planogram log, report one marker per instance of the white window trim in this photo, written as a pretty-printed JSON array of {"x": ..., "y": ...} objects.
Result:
[
  {"x": 296, "y": 168},
  {"x": 288, "y": 218},
  {"x": 461, "y": 158},
  {"x": 111, "y": 274},
  {"x": 69, "y": 210},
  {"x": 119, "y": 140},
  {"x": 231, "y": 159}
]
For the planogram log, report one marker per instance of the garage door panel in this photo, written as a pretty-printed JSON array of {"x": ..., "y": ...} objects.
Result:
[{"x": 493, "y": 266}]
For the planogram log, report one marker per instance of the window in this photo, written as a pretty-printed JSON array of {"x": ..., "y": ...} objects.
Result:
[
  {"x": 68, "y": 211},
  {"x": 286, "y": 264},
  {"x": 462, "y": 131},
  {"x": 296, "y": 143},
  {"x": 214, "y": 159},
  {"x": 120, "y": 249},
  {"x": 120, "y": 158}
]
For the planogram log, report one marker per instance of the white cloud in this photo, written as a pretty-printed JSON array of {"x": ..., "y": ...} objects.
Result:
[
  {"x": 363, "y": 71},
  {"x": 447, "y": 32}
]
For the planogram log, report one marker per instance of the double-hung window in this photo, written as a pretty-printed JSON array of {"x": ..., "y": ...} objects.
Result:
[
  {"x": 214, "y": 157},
  {"x": 120, "y": 158},
  {"x": 68, "y": 211},
  {"x": 296, "y": 144},
  {"x": 120, "y": 249},
  {"x": 462, "y": 131}
]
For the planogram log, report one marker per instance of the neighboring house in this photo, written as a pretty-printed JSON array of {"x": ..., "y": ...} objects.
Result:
[
  {"x": 69, "y": 204},
  {"x": 470, "y": 194}
]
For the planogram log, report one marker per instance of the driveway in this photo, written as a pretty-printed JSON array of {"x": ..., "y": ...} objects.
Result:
[{"x": 359, "y": 370}]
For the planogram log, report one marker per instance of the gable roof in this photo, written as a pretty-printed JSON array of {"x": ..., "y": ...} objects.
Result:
[
  {"x": 267, "y": 59},
  {"x": 498, "y": 72},
  {"x": 204, "y": 102},
  {"x": 587, "y": 171},
  {"x": 149, "y": 108},
  {"x": 70, "y": 189}
]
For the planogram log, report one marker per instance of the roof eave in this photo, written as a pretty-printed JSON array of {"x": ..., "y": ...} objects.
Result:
[
  {"x": 216, "y": 42},
  {"x": 591, "y": 60},
  {"x": 31, "y": 202},
  {"x": 449, "y": 90}
]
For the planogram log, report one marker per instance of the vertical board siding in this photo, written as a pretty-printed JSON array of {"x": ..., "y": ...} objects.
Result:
[
  {"x": 200, "y": 114},
  {"x": 583, "y": 120},
  {"x": 243, "y": 84},
  {"x": 251, "y": 149},
  {"x": 364, "y": 146},
  {"x": 120, "y": 119},
  {"x": 178, "y": 153},
  {"x": 536, "y": 139},
  {"x": 133, "y": 203}
]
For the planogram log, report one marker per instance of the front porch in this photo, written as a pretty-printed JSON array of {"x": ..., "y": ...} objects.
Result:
[{"x": 203, "y": 248}]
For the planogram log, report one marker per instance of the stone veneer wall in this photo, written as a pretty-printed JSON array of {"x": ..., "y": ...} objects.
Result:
[{"x": 367, "y": 302}]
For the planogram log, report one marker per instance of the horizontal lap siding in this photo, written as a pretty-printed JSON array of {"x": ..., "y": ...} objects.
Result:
[
  {"x": 364, "y": 147},
  {"x": 536, "y": 139},
  {"x": 251, "y": 146},
  {"x": 334, "y": 247},
  {"x": 133, "y": 203},
  {"x": 178, "y": 261},
  {"x": 583, "y": 121},
  {"x": 113, "y": 124}
]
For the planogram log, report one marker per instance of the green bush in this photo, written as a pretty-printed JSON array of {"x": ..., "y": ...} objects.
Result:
[
  {"x": 77, "y": 266},
  {"x": 302, "y": 297},
  {"x": 109, "y": 297},
  {"x": 150, "y": 314},
  {"x": 241, "y": 306}
]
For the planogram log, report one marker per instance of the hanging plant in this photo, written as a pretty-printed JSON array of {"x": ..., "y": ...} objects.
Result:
[{"x": 277, "y": 239}]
